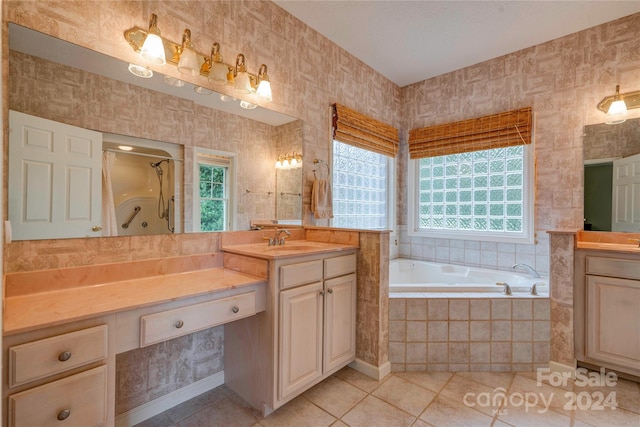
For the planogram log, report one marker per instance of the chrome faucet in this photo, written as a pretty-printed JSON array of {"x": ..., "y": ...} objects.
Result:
[
  {"x": 532, "y": 272},
  {"x": 276, "y": 240}
]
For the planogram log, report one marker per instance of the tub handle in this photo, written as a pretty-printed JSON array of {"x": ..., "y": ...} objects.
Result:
[{"x": 507, "y": 288}]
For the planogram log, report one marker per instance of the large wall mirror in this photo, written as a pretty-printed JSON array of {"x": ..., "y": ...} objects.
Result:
[
  {"x": 195, "y": 161},
  {"x": 612, "y": 177}
]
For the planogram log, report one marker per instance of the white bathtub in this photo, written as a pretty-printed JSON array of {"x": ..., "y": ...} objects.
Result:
[{"x": 423, "y": 279}]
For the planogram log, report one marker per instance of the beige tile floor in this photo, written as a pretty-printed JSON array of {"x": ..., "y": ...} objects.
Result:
[{"x": 421, "y": 399}]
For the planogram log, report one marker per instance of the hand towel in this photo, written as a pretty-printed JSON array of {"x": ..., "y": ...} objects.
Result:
[{"x": 321, "y": 200}]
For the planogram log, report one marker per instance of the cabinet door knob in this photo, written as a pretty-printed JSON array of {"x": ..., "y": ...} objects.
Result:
[
  {"x": 321, "y": 293},
  {"x": 96, "y": 228},
  {"x": 64, "y": 356},
  {"x": 330, "y": 290},
  {"x": 64, "y": 414},
  {"x": 235, "y": 309},
  {"x": 179, "y": 324}
]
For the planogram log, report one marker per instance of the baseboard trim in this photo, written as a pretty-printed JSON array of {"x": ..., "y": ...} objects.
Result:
[
  {"x": 562, "y": 368},
  {"x": 161, "y": 404},
  {"x": 375, "y": 372}
]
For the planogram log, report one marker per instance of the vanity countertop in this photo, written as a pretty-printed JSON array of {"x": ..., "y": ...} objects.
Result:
[
  {"x": 608, "y": 241},
  {"x": 36, "y": 310},
  {"x": 614, "y": 247},
  {"x": 292, "y": 248}
]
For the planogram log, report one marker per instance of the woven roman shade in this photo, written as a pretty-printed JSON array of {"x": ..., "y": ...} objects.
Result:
[
  {"x": 353, "y": 128},
  {"x": 496, "y": 131}
]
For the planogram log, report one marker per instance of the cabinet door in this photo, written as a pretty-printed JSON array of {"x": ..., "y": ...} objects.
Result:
[
  {"x": 340, "y": 321},
  {"x": 613, "y": 321},
  {"x": 300, "y": 337}
]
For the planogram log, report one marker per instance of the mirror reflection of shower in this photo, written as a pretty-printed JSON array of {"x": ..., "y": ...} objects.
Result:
[
  {"x": 146, "y": 186},
  {"x": 164, "y": 211}
]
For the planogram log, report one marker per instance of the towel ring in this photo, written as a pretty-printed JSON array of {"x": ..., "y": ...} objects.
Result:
[{"x": 321, "y": 162}]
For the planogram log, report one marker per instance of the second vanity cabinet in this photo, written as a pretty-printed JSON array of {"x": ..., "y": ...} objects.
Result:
[
  {"x": 607, "y": 311},
  {"x": 306, "y": 334},
  {"x": 317, "y": 320}
]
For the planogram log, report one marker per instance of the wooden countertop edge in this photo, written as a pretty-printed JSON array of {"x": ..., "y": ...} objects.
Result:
[{"x": 34, "y": 311}]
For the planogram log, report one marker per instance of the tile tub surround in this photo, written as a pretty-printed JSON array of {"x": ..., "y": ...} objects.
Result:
[{"x": 501, "y": 335}]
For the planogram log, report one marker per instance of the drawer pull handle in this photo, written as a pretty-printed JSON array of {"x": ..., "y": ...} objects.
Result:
[
  {"x": 235, "y": 309},
  {"x": 64, "y": 356},
  {"x": 64, "y": 414},
  {"x": 179, "y": 324},
  {"x": 330, "y": 290}
]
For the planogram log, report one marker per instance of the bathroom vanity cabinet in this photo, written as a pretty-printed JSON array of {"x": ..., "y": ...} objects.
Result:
[
  {"x": 306, "y": 334},
  {"x": 607, "y": 310},
  {"x": 61, "y": 371}
]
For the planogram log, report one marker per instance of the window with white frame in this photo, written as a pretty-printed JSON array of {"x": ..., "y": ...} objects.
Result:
[
  {"x": 213, "y": 191},
  {"x": 361, "y": 188},
  {"x": 478, "y": 195}
]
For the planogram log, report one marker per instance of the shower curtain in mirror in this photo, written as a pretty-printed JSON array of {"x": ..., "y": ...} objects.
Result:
[{"x": 109, "y": 223}]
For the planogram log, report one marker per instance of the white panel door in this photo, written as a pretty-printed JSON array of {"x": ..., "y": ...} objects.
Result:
[
  {"x": 626, "y": 194},
  {"x": 55, "y": 172}
]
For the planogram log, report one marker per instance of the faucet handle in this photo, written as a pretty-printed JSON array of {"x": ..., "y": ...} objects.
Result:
[{"x": 269, "y": 239}]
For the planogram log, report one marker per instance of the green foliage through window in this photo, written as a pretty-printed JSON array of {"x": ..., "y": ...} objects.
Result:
[{"x": 213, "y": 197}]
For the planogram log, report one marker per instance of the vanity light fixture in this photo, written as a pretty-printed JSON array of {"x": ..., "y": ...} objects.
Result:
[
  {"x": 188, "y": 63},
  {"x": 218, "y": 70},
  {"x": 616, "y": 106},
  {"x": 202, "y": 90},
  {"x": 140, "y": 71},
  {"x": 152, "y": 49},
  {"x": 289, "y": 161},
  {"x": 264, "y": 86},
  {"x": 192, "y": 63},
  {"x": 242, "y": 83},
  {"x": 172, "y": 81},
  {"x": 247, "y": 105}
]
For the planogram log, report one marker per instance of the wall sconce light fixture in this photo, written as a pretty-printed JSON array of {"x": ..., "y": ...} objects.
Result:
[
  {"x": 264, "y": 86},
  {"x": 289, "y": 161},
  {"x": 191, "y": 62},
  {"x": 188, "y": 63},
  {"x": 152, "y": 49},
  {"x": 616, "y": 106},
  {"x": 218, "y": 70}
]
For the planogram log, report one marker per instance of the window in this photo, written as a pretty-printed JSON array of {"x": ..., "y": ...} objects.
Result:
[
  {"x": 213, "y": 191},
  {"x": 361, "y": 188},
  {"x": 478, "y": 195}
]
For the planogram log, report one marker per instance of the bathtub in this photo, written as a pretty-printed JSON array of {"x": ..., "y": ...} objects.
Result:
[{"x": 422, "y": 279}]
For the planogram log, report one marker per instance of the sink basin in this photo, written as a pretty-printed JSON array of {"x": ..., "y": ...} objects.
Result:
[{"x": 292, "y": 247}]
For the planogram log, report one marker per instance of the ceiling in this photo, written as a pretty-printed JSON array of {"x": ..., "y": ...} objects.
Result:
[{"x": 410, "y": 41}]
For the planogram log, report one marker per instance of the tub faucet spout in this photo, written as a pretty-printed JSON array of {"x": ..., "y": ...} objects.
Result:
[{"x": 532, "y": 272}]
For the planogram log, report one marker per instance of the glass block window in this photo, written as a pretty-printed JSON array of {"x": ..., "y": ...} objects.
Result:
[
  {"x": 360, "y": 188},
  {"x": 481, "y": 191}
]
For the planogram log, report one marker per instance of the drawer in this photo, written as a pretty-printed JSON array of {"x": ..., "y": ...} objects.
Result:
[
  {"x": 613, "y": 267},
  {"x": 158, "y": 327},
  {"x": 339, "y": 266},
  {"x": 49, "y": 356},
  {"x": 301, "y": 273},
  {"x": 75, "y": 401}
]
